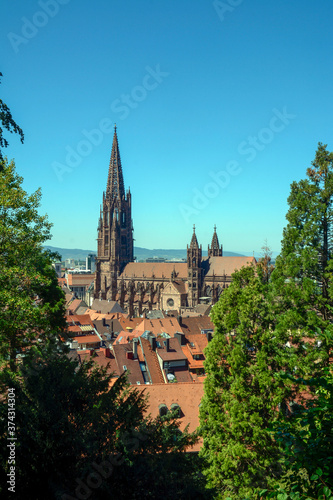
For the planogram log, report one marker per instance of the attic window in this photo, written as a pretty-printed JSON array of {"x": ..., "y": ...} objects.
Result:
[
  {"x": 176, "y": 408},
  {"x": 162, "y": 409}
]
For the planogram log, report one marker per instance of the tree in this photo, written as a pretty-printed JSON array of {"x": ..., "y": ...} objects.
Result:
[
  {"x": 250, "y": 365},
  {"x": 307, "y": 444},
  {"x": 243, "y": 389},
  {"x": 31, "y": 303},
  {"x": 9, "y": 124},
  {"x": 302, "y": 283},
  {"x": 271, "y": 351},
  {"x": 81, "y": 437},
  {"x": 304, "y": 267}
]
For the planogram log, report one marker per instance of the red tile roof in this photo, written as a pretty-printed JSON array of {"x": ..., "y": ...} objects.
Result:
[
  {"x": 87, "y": 339},
  {"x": 80, "y": 319},
  {"x": 154, "y": 269},
  {"x": 174, "y": 353},
  {"x": 133, "y": 367},
  {"x": 195, "y": 324},
  {"x": 129, "y": 323},
  {"x": 151, "y": 362},
  {"x": 225, "y": 265},
  {"x": 187, "y": 395},
  {"x": 157, "y": 326}
]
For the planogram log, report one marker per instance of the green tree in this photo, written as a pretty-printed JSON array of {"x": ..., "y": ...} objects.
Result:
[
  {"x": 9, "y": 124},
  {"x": 250, "y": 364},
  {"x": 302, "y": 283},
  {"x": 80, "y": 437},
  {"x": 243, "y": 389},
  {"x": 307, "y": 441},
  {"x": 31, "y": 303},
  {"x": 303, "y": 274}
]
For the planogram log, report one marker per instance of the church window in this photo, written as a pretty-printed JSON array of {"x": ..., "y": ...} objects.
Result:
[
  {"x": 194, "y": 275},
  {"x": 106, "y": 239},
  {"x": 193, "y": 263},
  {"x": 123, "y": 240},
  {"x": 170, "y": 303},
  {"x": 194, "y": 285}
]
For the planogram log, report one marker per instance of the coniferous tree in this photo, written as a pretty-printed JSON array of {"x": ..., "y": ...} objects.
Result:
[
  {"x": 270, "y": 351},
  {"x": 244, "y": 392},
  {"x": 303, "y": 276},
  {"x": 302, "y": 283}
]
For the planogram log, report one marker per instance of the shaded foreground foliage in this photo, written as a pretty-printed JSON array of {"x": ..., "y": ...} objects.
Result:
[{"x": 73, "y": 428}]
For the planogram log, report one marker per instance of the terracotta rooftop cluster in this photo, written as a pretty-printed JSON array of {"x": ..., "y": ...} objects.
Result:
[{"x": 162, "y": 356}]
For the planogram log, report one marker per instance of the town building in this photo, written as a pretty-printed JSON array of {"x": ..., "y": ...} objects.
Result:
[{"x": 140, "y": 287}]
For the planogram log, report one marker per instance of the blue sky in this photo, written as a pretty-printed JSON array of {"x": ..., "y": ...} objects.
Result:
[{"x": 219, "y": 106}]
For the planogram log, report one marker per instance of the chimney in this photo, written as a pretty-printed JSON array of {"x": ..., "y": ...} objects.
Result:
[
  {"x": 104, "y": 323},
  {"x": 135, "y": 348},
  {"x": 167, "y": 344},
  {"x": 181, "y": 337},
  {"x": 106, "y": 352},
  {"x": 152, "y": 340},
  {"x": 179, "y": 319}
]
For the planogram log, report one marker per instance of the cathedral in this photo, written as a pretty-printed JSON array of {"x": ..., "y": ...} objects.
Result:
[{"x": 140, "y": 287}]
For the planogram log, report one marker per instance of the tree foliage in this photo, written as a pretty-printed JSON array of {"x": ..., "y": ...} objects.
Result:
[
  {"x": 244, "y": 391},
  {"x": 31, "y": 303},
  {"x": 8, "y": 123},
  {"x": 74, "y": 426},
  {"x": 273, "y": 330}
]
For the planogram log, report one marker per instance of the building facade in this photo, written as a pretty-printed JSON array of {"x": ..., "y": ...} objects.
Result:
[{"x": 142, "y": 287}]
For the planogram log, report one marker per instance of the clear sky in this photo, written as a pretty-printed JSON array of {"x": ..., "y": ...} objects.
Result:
[{"x": 219, "y": 106}]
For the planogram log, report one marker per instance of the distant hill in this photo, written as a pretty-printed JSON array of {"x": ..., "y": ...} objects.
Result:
[{"x": 139, "y": 253}]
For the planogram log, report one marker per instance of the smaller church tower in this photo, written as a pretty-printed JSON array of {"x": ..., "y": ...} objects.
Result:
[
  {"x": 215, "y": 250},
  {"x": 194, "y": 256}
]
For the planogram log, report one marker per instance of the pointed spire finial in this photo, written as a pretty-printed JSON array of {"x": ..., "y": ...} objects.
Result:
[
  {"x": 194, "y": 241},
  {"x": 115, "y": 185},
  {"x": 215, "y": 250}
]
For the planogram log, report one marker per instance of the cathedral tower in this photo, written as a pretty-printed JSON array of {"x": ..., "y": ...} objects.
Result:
[
  {"x": 194, "y": 256},
  {"x": 215, "y": 250},
  {"x": 115, "y": 230}
]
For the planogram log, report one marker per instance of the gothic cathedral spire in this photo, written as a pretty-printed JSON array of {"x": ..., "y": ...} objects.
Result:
[
  {"x": 115, "y": 183},
  {"x": 215, "y": 250},
  {"x": 115, "y": 230},
  {"x": 194, "y": 241}
]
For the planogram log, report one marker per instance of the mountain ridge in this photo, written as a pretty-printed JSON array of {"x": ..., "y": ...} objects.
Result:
[{"x": 139, "y": 252}]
